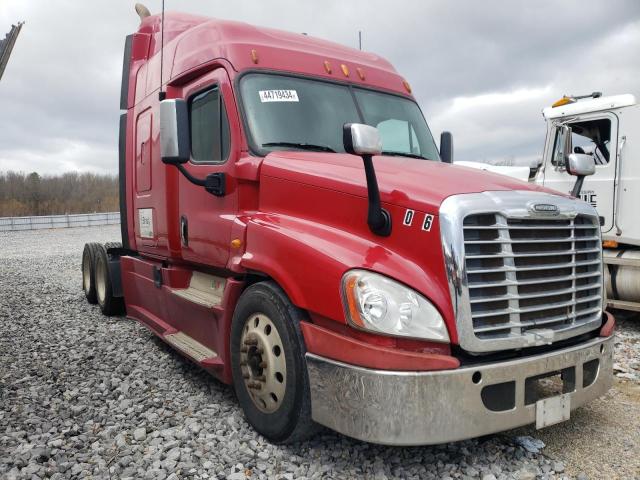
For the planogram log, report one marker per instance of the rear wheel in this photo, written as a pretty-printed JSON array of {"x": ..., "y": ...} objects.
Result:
[
  {"x": 268, "y": 364},
  {"x": 88, "y": 270},
  {"x": 109, "y": 305}
]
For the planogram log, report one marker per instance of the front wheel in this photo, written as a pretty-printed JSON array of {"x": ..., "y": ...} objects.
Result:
[{"x": 268, "y": 364}]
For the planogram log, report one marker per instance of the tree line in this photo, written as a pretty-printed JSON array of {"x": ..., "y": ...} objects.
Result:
[{"x": 23, "y": 194}]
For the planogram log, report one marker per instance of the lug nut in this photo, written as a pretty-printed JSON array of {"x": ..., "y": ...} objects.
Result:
[
  {"x": 254, "y": 385},
  {"x": 250, "y": 341},
  {"x": 261, "y": 378}
]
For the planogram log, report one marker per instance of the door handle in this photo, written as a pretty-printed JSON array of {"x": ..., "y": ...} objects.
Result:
[{"x": 184, "y": 231}]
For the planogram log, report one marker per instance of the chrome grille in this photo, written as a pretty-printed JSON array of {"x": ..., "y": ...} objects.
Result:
[
  {"x": 528, "y": 274},
  {"x": 520, "y": 276}
]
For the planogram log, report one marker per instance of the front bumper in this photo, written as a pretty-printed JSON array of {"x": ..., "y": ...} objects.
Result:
[{"x": 422, "y": 408}]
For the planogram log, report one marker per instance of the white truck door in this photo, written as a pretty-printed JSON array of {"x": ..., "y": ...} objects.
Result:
[{"x": 595, "y": 134}]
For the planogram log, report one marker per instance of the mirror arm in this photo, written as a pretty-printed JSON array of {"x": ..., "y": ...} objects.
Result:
[
  {"x": 196, "y": 181},
  {"x": 577, "y": 186},
  {"x": 378, "y": 219},
  {"x": 214, "y": 183}
]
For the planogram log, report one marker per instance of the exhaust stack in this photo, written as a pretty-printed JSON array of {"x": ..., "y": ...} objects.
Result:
[{"x": 142, "y": 11}]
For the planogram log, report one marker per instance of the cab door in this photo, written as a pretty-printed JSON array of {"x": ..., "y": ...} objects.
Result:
[
  {"x": 206, "y": 218},
  {"x": 595, "y": 134}
]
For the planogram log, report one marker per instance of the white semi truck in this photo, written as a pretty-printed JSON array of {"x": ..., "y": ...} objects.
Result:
[{"x": 608, "y": 129}]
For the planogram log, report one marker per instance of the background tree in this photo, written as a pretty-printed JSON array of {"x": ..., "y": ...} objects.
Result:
[{"x": 67, "y": 193}]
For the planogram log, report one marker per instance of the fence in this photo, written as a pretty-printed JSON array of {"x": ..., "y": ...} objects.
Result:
[{"x": 58, "y": 221}]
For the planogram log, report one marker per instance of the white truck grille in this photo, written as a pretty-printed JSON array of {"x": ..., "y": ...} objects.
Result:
[
  {"x": 524, "y": 268},
  {"x": 528, "y": 274}
]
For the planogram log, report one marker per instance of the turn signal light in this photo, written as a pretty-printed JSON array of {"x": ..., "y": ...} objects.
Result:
[
  {"x": 609, "y": 244},
  {"x": 352, "y": 303}
]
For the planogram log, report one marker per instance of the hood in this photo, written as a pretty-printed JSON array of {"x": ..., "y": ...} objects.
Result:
[
  {"x": 515, "y": 171},
  {"x": 405, "y": 182}
]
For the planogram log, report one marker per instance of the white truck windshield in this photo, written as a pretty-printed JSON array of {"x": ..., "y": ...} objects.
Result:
[{"x": 284, "y": 112}]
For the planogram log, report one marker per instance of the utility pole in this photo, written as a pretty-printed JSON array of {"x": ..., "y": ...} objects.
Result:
[{"x": 6, "y": 46}]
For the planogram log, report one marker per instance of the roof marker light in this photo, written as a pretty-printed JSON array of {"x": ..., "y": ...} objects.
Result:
[
  {"x": 254, "y": 56},
  {"x": 345, "y": 70},
  {"x": 563, "y": 101},
  {"x": 327, "y": 66},
  {"x": 360, "y": 73},
  {"x": 406, "y": 86}
]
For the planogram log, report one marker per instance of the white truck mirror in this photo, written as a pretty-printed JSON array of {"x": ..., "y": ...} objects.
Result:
[
  {"x": 581, "y": 164},
  {"x": 563, "y": 147}
]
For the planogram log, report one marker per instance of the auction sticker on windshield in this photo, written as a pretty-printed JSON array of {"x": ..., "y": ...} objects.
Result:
[{"x": 278, "y": 96}]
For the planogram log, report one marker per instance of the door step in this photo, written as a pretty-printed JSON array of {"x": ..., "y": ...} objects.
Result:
[
  {"x": 190, "y": 346},
  {"x": 205, "y": 290}
]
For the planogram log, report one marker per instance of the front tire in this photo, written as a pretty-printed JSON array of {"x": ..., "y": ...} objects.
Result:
[{"x": 268, "y": 364}]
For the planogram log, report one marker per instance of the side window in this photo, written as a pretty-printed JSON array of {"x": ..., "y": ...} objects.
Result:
[
  {"x": 592, "y": 137},
  {"x": 209, "y": 127},
  {"x": 398, "y": 136}
]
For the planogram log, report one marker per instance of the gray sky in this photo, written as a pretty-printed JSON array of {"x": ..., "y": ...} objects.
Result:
[{"x": 481, "y": 69}]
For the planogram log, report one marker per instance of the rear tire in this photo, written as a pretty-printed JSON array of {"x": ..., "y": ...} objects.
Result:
[
  {"x": 267, "y": 349},
  {"x": 109, "y": 305},
  {"x": 88, "y": 270}
]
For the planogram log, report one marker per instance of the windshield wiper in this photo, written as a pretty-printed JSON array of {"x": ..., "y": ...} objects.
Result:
[
  {"x": 301, "y": 146},
  {"x": 403, "y": 154}
]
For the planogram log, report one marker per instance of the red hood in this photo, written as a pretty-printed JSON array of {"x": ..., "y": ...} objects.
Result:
[{"x": 406, "y": 182}]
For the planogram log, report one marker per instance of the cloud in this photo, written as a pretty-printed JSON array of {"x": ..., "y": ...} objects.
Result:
[{"x": 482, "y": 70}]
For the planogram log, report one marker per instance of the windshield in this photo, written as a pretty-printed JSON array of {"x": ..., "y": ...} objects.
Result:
[{"x": 293, "y": 113}]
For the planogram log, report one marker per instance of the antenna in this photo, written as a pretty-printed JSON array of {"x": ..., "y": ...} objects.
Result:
[
  {"x": 360, "y": 39},
  {"x": 162, "y": 95}
]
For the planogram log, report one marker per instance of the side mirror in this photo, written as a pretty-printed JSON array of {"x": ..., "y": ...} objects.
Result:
[
  {"x": 563, "y": 147},
  {"x": 360, "y": 139},
  {"x": 364, "y": 140},
  {"x": 174, "y": 132},
  {"x": 581, "y": 164},
  {"x": 446, "y": 147}
]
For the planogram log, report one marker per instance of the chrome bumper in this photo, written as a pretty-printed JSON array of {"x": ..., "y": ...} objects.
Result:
[{"x": 422, "y": 408}]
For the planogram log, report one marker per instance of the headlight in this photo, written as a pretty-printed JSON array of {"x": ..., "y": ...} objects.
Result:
[{"x": 376, "y": 303}]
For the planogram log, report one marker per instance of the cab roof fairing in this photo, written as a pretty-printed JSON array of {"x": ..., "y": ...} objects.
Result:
[
  {"x": 190, "y": 41},
  {"x": 591, "y": 105}
]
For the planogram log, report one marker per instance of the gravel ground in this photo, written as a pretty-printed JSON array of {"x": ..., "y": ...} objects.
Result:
[{"x": 82, "y": 396}]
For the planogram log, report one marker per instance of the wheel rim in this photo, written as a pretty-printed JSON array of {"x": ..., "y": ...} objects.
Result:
[
  {"x": 86, "y": 274},
  {"x": 101, "y": 287},
  {"x": 262, "y": 362}
]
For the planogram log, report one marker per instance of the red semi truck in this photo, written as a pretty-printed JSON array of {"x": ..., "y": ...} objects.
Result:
[{"x": 289, "y": 224}]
